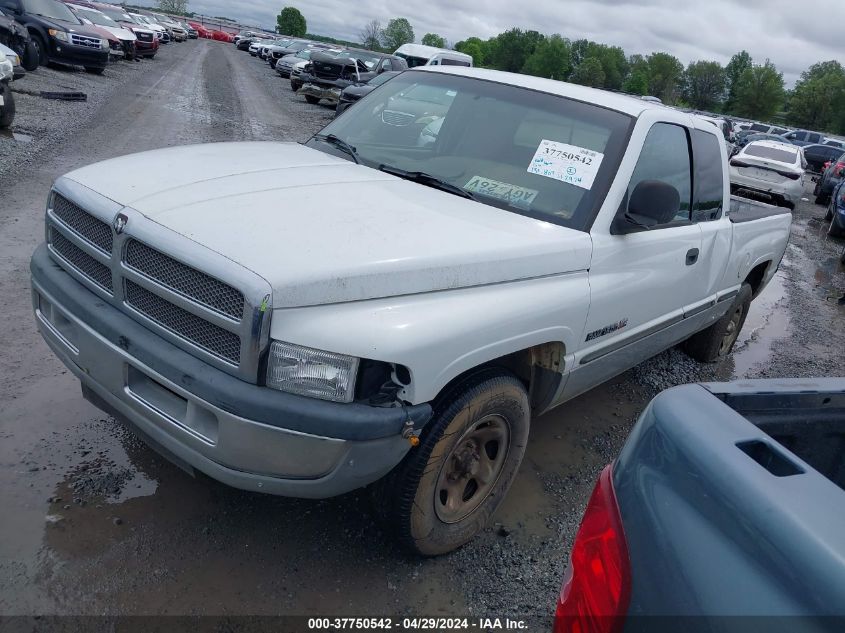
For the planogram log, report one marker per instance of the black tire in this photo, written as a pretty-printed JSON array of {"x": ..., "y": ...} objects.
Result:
[
  {"x": 295, "y": 86},
  {"x": 94, "y": 71},
  {"x": 718, "y": 340},
  {"x": 312, "y": 99},
  {"x": 7, "y": 111},
  {"x": 30, "y": 58},
  {"x": 822, "y": 200},
  {"x": 40, "y": 49},
  {"x": 415, "y": 498},
  {"x": 834, "y": 230}
]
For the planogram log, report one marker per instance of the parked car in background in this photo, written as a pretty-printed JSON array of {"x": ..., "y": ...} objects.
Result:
[
  {"x": 803, "y": 138},
  {"x": 125, "y": 37},
  {"x": 146, "y": 42},
  {"x": 420, "y": 55},
  {"x": 176, "y": 32},
  {"x": 834, "y": 143},
  {"x": 727, "y": 501},
  {"x": 289, "y": 47},
  {"x": 16, "y": 37},
  {"x": 59, "y": 36},
  {"x": 771, "y": 169},
  {"x": 836, "y": 211},
  {"x": 8, "y": 60},
  {"x": 325, "y": 76},
  {"x": 745, "y": 139},
  {"x": 192, "y": 32},
  {"x": 284, "y": 66},
  {"x": 818, "y": 155},
  {"x": 160, "y": 32},
  {"x": 353, "y": 94},
  {"x": 832, "y": 175},
  {"x": 222, "y": 36},
  {"x": 202, "y": 32}
]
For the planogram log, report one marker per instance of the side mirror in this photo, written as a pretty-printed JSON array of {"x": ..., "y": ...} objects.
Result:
[{"x": 652, "y": 203}]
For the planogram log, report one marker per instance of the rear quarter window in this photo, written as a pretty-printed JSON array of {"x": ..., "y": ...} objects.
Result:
[{"x": 709, "y": 192}]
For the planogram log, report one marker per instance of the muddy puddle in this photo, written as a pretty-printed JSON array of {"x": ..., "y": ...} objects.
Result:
[{"x": 768, "y": 321}]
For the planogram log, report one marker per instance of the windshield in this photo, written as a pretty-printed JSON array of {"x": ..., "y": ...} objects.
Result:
[
  {"x": 536, "y": 154},
  {"x": 772, "y": 153},
  {"x": 50, "y": 9},
  {"x": 413, "y": 62},
  {"x": 98, "y": 18},
  {"x": 369, "y": 59},
  {"x": 380, "y": 79}
]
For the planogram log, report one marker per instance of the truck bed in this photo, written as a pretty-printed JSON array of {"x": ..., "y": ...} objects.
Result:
[{"x": 732, "y": 501}]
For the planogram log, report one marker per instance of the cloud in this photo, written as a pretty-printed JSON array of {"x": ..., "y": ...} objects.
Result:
[{"x": 710, "y": 30}]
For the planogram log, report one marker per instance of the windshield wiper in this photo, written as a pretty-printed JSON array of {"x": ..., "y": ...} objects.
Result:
[
  {"x": 339, "y": 143},
  {"x": 428, "y": 180}
]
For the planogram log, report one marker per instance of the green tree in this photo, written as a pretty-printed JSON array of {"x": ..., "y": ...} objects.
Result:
[
  {"x": 397, "y": 32},
  {"x": 664, "y": 76},
  {"x": 549, "y": 59},
  {"x": 733, "y": 71},
  {"x": 612, "y": 58},
  {"x": 589, "y": 73},
  {"x": 291, "y": 22},
  {"x": 476, "y": 48},
  {"x": 704, "y": 85},
  {"x": 510, "y": 50},
  {"x": 759, "y": 92},
  {"x": 638, "y": 76},
  {"x": 818, "y": 101},
  {"x": 433, "y": 39}
]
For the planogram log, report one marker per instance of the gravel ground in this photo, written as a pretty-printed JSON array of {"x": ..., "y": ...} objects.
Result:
[{"x": 132, "y": 534}]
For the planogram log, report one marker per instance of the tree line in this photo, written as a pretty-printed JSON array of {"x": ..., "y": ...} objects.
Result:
[{"x": 744, "y": 87}]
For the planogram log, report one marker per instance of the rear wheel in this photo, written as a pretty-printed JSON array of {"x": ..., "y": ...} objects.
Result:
[
  {"x": 30, "y": 58},
  {"x": 94, "y": 71},
  {"x": 717, "y": 341},
  {"x": 312, "y": 99},
  {"x": 444, "y": 492}
]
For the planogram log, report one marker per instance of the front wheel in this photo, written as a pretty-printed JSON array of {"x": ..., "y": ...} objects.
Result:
[
  {"x": 445, "y": 491},
  {"x": 717, "y": 341},
  {"x": 40, "y": 49},
  {"x": 312, "y": 99},
  {"x": 30, "y": 58},
  {"x": 7, "y": 110}
]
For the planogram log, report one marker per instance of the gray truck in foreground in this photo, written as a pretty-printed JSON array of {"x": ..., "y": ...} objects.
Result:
[{"x": 725, "y": 511}]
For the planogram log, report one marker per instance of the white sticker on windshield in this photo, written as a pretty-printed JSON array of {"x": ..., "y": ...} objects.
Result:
[
  {"x": 568, "y": 163},
  {"x": 516, "y": 196}
]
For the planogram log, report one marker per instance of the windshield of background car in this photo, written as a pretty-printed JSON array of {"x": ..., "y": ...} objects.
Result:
[
  {"x": 772, "y": 153},
  {"x": 532, "y": 153},
  {"x": 380, "y": 79},
  {"x": 369, "y": 60},
  {"x": 413, "y": 62},
  {"x": 50, "y": 9},
  {"x": 99, "y": 18}
]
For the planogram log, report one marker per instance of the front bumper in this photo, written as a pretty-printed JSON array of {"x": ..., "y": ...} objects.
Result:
[
  {"x": 241, "y": 434},
  {"x": 63, "y": 53},
  {"x": 327, "y": 93}
]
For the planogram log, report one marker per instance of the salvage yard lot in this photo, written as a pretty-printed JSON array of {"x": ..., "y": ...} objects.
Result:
[{"x": 96, "y": 523}]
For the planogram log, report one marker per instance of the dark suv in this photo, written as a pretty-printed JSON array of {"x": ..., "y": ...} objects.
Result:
[{"x": 58, "y": 35}]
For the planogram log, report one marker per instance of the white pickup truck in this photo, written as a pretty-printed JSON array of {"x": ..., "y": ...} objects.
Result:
[{"x": 394, "y": 300}]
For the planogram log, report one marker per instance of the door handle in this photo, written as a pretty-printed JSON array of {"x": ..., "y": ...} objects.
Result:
[{"x": 692, "y": 256}]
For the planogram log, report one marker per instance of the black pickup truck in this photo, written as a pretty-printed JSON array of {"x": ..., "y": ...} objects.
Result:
[
  {"x": 326, "y": 75},
  {"x": 725, "y": 511}
]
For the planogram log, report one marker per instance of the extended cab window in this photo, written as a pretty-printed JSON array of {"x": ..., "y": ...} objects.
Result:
[
  {"x": 709, "y": 177},
  {"x": 536, "y": 154},
  {"x": 666, "y": 157}
]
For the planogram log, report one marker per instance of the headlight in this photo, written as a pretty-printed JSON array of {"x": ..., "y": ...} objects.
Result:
[
  {"x": 311, "y": 372},
  {"x": 59, "y": 35},
  {"x": 104, "y": 44},
  {"x": 6, "y": 70}
]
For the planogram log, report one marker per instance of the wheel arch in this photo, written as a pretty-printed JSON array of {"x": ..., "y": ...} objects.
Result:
[{"x": 756, "y": 277}]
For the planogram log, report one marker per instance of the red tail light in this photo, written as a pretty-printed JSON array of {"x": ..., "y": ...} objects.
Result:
[
  {"x": 837, "y": 171},
  {"x": 597, "y": 586}
]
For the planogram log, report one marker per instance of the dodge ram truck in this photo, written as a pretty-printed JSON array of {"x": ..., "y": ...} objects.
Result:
[
  {"x": 393, "y": 301},
  {"x": 724, "y": 512}
]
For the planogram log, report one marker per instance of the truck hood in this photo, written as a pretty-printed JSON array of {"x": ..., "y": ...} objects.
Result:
[{"x": 321, "y": 229}]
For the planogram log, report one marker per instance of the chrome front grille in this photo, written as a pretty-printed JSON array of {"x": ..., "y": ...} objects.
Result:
[
  {"x": 399, "y": 119},
  {"x": 185, "y": 280},
  {"x": 201, "y": 302},
  {"x": 89, "y": 228},
  {"x": 208, "y": 336},
  {"x": 81, "y": 40},
  {"x": 81, "y": 261}
]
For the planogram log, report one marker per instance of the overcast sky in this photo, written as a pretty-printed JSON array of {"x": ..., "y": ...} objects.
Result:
[{"x": 704, "y": 29}]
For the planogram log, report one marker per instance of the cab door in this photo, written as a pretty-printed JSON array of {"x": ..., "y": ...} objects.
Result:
[{"x": 642, "y": 282}]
